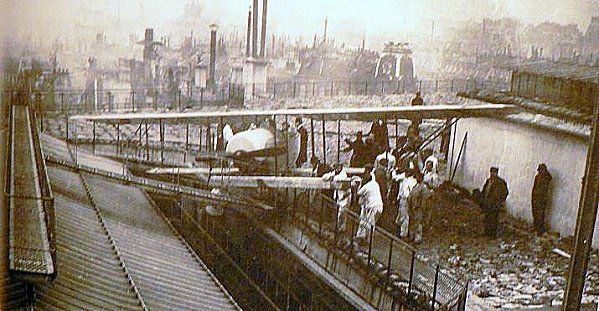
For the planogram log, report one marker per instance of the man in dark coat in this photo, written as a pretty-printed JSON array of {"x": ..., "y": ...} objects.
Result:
[
  {"x": 417, "y": 100},
  {"x": 358, "y": 149},
  {"x": 302, "y": 157},
  {"x": 540, "y": 196},
  {"x": 494, "y": 194},
  {"x": 380, "y": 133},
  {"x": 319, "y": 168}
]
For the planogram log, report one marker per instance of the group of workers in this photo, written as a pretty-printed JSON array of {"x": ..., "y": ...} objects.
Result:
[{"x": 397, "y": 184}]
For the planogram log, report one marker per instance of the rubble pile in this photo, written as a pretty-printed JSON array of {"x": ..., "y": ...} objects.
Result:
[{"x": 520, "y": 269}]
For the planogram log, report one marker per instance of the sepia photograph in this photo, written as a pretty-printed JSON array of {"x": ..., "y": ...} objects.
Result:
[{"x": 299, "y": 155}]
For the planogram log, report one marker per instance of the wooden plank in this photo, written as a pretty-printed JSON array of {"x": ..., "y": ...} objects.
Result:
[
  {"x": 275, "y": 182},
  {"x": 348, "y": 114},
  {"x": 193, "y": 171}
]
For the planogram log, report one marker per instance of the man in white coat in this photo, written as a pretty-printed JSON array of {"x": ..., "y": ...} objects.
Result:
[
  {"x": 341, "y": 195},
  {"x": 371, "y": 205},
  {"x": 407, "y": 182}
]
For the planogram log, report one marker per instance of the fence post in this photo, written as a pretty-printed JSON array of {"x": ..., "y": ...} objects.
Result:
[
  {"x": 436, "y": 85},
  {"x": 451, "y": 86},
  {"x": 389, "y": 260},
  {"x": 435, "y": 288},
  {"x": 338, "y": 140},
  {"x": 67, "y": 125},
  {"x": 132, "y": 101},
  {"x": 313, "y": 88},
  {"x": 179, "y": 100},
  {"x": 351, "y": 245},
  {"x": 201, "y": 98},
  {"x": 62, "y": 102},
  {"x": 349, "y": 88},
  {"x": 370, "y": 244},
  {"x": 411, "y": 273},
  {"x": 84, "y": 101},
  {"x": 274, "y": 90},
  {"x": 321, "y": 216},
  {"x": 294, "y": 88},
  {"x": 366, "y": 87},
  {"x": 332, "y": 83}
]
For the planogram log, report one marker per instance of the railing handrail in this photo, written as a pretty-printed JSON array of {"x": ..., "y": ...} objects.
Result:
[{"x": 462, "y": 283}]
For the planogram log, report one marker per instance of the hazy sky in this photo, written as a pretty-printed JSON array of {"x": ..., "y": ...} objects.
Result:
[{"x": 349, "y": 20}]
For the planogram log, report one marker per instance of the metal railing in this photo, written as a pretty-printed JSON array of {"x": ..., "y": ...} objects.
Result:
[
  {"x": 128, "y": 100},
  {"x": 300, "y": 89},
  {"x": 156, "y": 99},
  {"x": 393, "y": 263},
  {"x": 47, "y": 194}
]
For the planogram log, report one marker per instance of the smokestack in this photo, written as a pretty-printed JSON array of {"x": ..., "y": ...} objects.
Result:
[
  {"x": 326, "y": 22},
  {"x": 211, "y": 79},
  {"x": 255, "y": 29},
  {"x": 263, "y": 30},
  {"x": 248, "y": 38}
]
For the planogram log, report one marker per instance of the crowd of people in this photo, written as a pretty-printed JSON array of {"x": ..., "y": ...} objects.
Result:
[
  {"x": 396, "y": 189},
  {"x": 400, "y": 188}
]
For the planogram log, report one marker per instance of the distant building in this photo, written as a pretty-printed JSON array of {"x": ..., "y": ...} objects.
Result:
[
  {"x": 567, "y": 84},
  {"x": 590, "y": 42}
]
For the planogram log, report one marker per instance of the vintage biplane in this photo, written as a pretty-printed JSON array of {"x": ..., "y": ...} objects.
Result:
[{"x": 264, "y": 155}]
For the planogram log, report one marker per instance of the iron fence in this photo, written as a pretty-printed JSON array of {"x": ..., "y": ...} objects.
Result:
[
  {"x": 128, "y": 100},
  {"x": 393, "y": 263},
  {"x": 300, "y": 89}
]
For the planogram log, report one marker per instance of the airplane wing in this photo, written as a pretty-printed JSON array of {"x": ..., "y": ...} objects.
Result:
[
  {"x": 328, "y": 114},
  {"x": 193, "y": 171}
]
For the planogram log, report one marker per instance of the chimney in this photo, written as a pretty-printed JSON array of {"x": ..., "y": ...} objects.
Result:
[
  {"x": 248, "y": 39},
  {"x": 326, "y": 23},
  {"x": 255, "y": 29},
  {"x": 211, "y": 78},
  {"x": 263, "y": 30}
]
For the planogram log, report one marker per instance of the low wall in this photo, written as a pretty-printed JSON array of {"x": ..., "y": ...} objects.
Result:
[{"x": 517, "y": 149}]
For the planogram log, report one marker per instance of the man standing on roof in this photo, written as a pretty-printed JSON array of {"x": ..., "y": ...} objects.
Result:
[
  {"x": 380, "y": 133},
  {"x": 358, "y": 149},
  {"x": 416, "y": 101},
  {"x": 341, "y": 195},
  {"x": 302, "y": 157},
  {"x": 318, "y": 168},
  {"x": 540, "y": 197},
  {"x": 493, "y": 194},
  {"x": 406, "y": 183},
  {"x": 417, "y": 201},
  {"x": 371, "y": 206},
  {"x": 388, "y": 156},
  {"x": 432, "y": 181}
]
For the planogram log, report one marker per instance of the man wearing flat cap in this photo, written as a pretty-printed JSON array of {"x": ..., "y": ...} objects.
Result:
[{"x": 494, "y": 194}]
